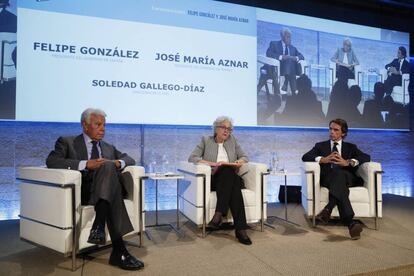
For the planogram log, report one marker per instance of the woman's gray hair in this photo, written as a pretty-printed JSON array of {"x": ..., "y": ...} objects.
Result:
[
  {"x": 86, "y": 115},
  {"x": 347, "y": 39},
  {"x": 220, "y": 120}
]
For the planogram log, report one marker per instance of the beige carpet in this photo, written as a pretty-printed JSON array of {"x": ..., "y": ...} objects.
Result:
[{"x": 286, "y": 250}]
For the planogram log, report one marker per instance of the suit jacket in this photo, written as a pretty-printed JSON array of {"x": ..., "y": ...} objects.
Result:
[
  {"x": 405, "y": 68},
  {"x": 339, "y": 55},
  {"x": 69, "y": 151},
  {"x": 208, "y": 150},
  {"x": 348, "y": 151},
  {"x": 275, "y": 50}
]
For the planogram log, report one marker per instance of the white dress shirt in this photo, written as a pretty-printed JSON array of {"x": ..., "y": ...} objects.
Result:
[
  {"x": 345, "y": 58},
  {"x": 222, "y": 154}
]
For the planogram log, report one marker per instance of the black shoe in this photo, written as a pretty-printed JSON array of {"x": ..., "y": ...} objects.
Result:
[
  {"x": 97, "y": 235},
  {"x": 215, "y": 222},
  {"x": 324, "y": 216},
  {"x": 243, "y": 238},
  {"x": 213, "y": 226},
  {"x": 355, "y": 230},
  {"x": 125, "y": 261}
]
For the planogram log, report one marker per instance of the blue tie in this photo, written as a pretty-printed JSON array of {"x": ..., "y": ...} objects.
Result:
[{"x": 95, "y": 152}]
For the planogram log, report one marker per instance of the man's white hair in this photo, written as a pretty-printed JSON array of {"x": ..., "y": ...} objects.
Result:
[
  {"x": 285, "y": 30},
  {"x": 86, "y": 115},
  {"x": 220, "y": 120}
]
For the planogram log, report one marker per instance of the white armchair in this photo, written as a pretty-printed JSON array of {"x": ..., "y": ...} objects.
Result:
[
  {"x": 357, "y": 69},
  {"x": 399, "y": 93},
  {"x": 366, "y": 200},
  {"x": 7, "y": 66},
  {"x": 51, "y": 214},
  {"x": 197, "y": 202},
  {"x": 261, "y": 59},
  {"x": 264, "y": 60}
]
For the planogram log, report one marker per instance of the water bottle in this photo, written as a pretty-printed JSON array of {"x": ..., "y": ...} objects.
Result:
[
  {"x": 274, "y": 162},
  {"x": 164, "y": 163}
]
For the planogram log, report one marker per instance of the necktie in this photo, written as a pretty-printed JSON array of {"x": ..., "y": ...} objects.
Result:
[
  {"x": 286, "y": 50},
  {"x": 334, "y": 148},
  {"x": 95, "y": 152}
]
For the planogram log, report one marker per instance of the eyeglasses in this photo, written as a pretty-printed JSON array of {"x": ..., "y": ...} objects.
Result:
[{"x": 229, "y": 129}]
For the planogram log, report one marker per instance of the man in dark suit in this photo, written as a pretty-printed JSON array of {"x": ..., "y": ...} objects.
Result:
[
  {"x": 288, "y": 56},
  {"x": 396, "y": 69},
  {"x": 100, "y": 164},
  {"x": 339, "y": 161}
]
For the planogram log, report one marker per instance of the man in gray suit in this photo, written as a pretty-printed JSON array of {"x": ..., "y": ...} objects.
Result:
[{"x": 100, "y": 164}]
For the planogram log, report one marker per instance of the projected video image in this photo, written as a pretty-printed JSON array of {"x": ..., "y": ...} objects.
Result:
[
  {"x": 8, "y": 56},
  {"x": 309, "y": 77},
  {"x": 187, "y": 62}
]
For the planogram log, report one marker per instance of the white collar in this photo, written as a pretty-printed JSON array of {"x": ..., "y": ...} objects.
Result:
[
  {"x": 87, "y": 139},
  {"x": 339, "y": 143}
]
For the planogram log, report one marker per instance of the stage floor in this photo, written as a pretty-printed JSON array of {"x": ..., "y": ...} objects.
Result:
[{"x": 286, "y": 250}]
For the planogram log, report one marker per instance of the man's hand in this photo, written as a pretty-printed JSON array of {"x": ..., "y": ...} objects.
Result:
[
  {"x": 334, "y": 158},
  {"x": 327, "y": 159},
  {"x": 94, "y": 164},
  {"x": 338, "y": 160},
  {"x": 393, "y": 70},
  {"x": 117, "y": 164},
  {"x": 285, "y": 57}
]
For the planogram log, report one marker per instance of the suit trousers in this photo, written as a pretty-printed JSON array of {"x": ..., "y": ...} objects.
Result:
[
  {"x": 338, "y": 181},
  {"x": 228, "y": 185},
  {"x": 106, "y": 183},
  {"x": 390, "y": 82},
  {"x": 344, "y": 74},
  {"x": 290, "y": 79},
  {"x": 289, "y": 71}
]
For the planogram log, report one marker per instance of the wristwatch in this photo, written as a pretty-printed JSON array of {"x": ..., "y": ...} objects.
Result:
[{"x": 351, "y": 162}]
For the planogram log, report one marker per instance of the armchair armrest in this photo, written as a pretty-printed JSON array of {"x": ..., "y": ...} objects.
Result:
[
  {"x": 267, "y": 60},
  {"x": 46, "y": 195},
  {"x": 133, "y": 189},
  {"x": 332, "y": 71},
  {"x": 196, "y": 175},
  {"x": 384, "y": 74},
  {"x": 311, "y": 174},
  {"x": 252, "y": 175},
  {"x": 303, "y": 64},
  {"x": 405, "y": 77},
  {"x": 371, "y": 172},
  {"x": 57, "y": 176},
  {"x": 311, "y": 188},
  {"x": 194, "y": 168}
]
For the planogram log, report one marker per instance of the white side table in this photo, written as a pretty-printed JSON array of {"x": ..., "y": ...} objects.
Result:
[
  {"x": 285, "y": 174},
  {"x": 159, "y": 177}
]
